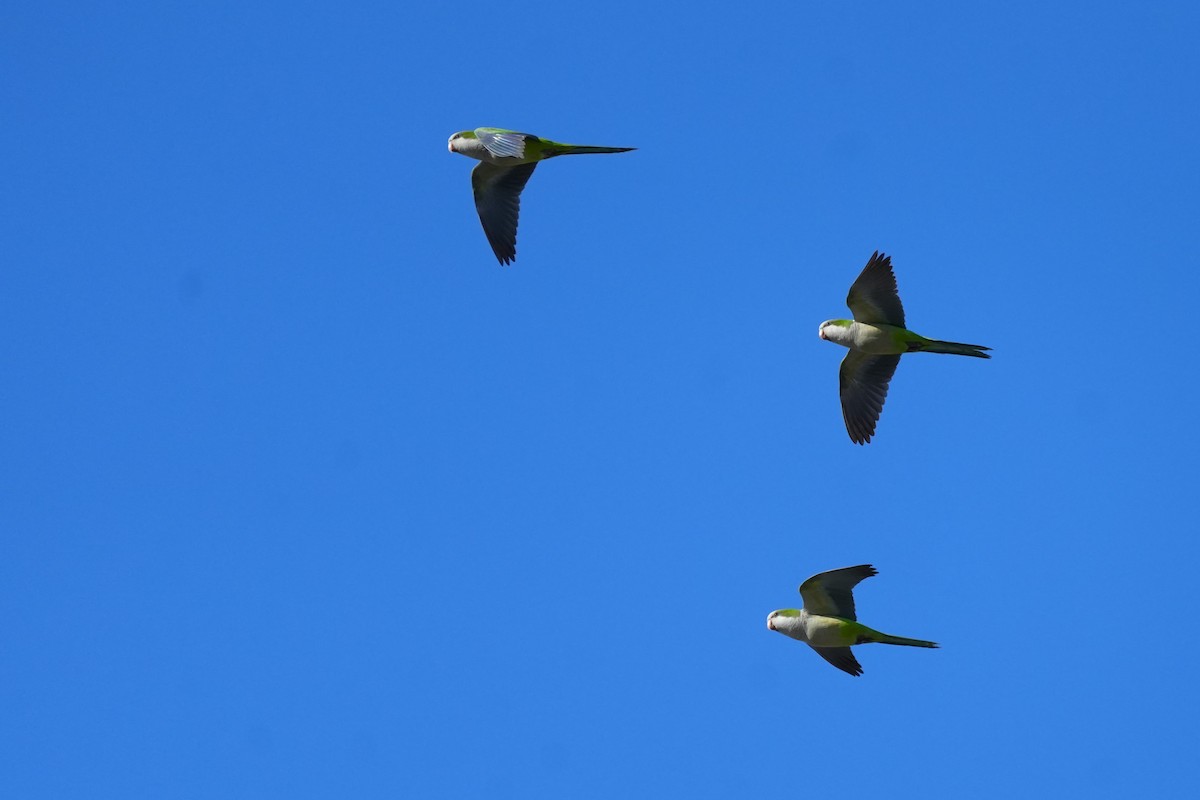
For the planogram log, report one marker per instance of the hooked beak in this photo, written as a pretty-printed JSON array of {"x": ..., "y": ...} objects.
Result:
[
  {"x": 770, "y": 624},
  {"x": 821, "y": 333}
]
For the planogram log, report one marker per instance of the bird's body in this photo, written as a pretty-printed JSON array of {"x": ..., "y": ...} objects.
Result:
[
  {"x": 507, "y": 160},
  {"x": 828, "y": 624},
  {"x": 818, "y": 630},
  {"x": 509, "y": 148},
  {"x": 876, "y": 338},
  {"x": 883, "y": 339}
]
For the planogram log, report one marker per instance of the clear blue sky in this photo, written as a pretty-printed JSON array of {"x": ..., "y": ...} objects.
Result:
[{"x": 303, "y": 495}]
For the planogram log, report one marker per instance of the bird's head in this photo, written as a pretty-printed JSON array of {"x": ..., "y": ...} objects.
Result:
[
  {"x": 834, "y": 330},
  {"x": 457, "y": 137},
  {"x": 782, "y": 619}
]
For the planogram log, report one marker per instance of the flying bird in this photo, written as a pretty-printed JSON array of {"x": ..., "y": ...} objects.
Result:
[
  {"x": 507, "y": 159},
  {"x": 877, "y": 338},
  {"x": 827, "y": 623}
]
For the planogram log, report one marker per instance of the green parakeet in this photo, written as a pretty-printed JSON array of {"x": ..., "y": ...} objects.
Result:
[
  {"x": 877, "y": 338},
  {"x": 507, "y": 159},
  {"x": 827, "y": 622}
]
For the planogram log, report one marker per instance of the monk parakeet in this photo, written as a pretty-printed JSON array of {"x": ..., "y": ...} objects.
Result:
[
  {"x": 507, "y": 160},
  {"x": 876, "y": 338},
  {"x": 827, "y": 623}
]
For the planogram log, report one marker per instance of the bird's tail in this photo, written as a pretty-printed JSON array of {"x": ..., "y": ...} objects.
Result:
[
  {"x": 954, "y": 348},
  {"x": 887, "y": 638},
  {"x": 577, "y": 149}
]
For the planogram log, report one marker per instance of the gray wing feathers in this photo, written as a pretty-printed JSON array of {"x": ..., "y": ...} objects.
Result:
[
  {"x": 840, "y": 657},
  {"x": 831, "y": 594},
  {"x": 498, "y": 201},
  {"x": 873, "y": 295},
  {"x": 502, "y": 144},
  {"x": 863, "y": 386}
]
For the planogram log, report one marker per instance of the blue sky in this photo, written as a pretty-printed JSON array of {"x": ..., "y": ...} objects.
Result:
[{"x": 303, "y": 495}]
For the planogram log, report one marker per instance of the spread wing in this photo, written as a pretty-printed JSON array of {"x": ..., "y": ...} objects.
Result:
[
  {"x": 830, "y": 594},
  {"x": 863, "y": 386},
  {"x": 498, "y": 201},
  {"x": 873, "y": 295},
  {"x": 501, "y": 143},
  {"x": 840, "y": 657}
]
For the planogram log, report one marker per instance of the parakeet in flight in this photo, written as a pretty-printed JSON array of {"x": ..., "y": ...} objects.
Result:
[
  {"x": 827, "y": 623},
  {"x": 507, "y": 159},
  {"x": 876, "y": 338}
]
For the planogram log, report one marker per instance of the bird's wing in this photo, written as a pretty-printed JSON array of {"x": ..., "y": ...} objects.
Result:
[
  {"x": 831, "y": 594},
  {"x": 840, "y": 657},
  {"x": 873, "y": 295},
  {"x": 501, "y": 143},
  {"x": 863, "y": 386},
  {"x": 498, "y": 201}
]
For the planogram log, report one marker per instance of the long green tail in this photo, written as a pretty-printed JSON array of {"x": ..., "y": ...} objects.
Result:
[
  {"x": 887, "y": 638},
  {"x": 954, "y": 348},
  {"x": 576, "y": 149}
]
